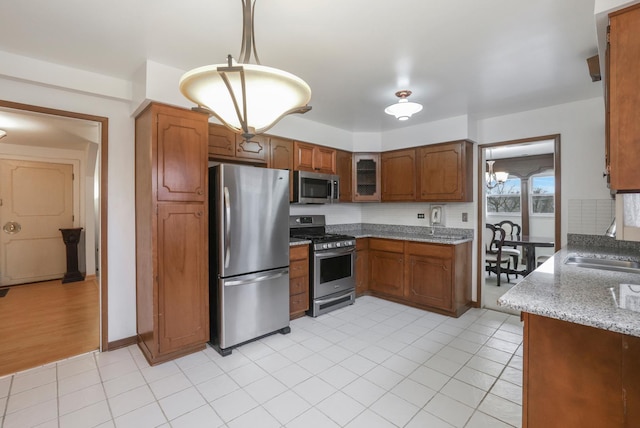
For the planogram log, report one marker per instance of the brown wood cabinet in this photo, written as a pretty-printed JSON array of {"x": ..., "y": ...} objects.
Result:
[
  {"x": 281, "y": 157},
  {"x": 386, "y": 266},
  {"x": 362, "y": 266},
  {"x": 314, "y": 158},
  {"x": 444, "y": 172},
  {"x": 344, "y": 167},
  {"x": 224, "y": 144},
  {"x": 398, "y": 175},
  {"x": 623, "y": 99},
  {"x": 438, "y": 276},
  {"x": 171, "y": 232},
  {"x": 366, "y": 177},
  {"x": 298, "y": 280},
  {"x": 578, "y": 376},
  {"x": 435, "y": 277}
]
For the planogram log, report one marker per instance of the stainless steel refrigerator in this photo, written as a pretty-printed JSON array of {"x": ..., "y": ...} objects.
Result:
[{"x": 248, "y": 254}]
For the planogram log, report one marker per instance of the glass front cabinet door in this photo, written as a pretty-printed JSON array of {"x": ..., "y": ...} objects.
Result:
[{"x": 366, "y": 183}]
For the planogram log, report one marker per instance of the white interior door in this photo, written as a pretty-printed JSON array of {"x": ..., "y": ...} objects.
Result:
[{"x": 36, "y": 200}]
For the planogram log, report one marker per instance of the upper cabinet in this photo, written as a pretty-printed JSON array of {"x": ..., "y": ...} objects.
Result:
[
  {"x": 444, "y": 172},
  {"x": 281, "y": 157},
  {"x": 623, "y": 99},
  {"x": 225, "y": 144},
  {"x": 313, "y": 158},
  {"x": 399, "y": 175},
  {"x": 344, "y": 170},
  {"x": 366, "y": 177}
]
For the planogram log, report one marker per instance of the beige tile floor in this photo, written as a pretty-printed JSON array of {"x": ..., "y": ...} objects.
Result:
[{"x": 374, "y": 364}]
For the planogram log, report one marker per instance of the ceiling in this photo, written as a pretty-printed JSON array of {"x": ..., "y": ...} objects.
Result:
[{"x": 458, "y": 57}]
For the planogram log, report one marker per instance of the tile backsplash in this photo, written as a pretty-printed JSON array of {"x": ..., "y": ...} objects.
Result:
[{"x": 590, "y": 216}]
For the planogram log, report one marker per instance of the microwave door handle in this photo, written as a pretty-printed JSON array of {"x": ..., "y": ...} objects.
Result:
[
  {"x": 227, "y": 227},
  {"x": 336, "y": 188}
]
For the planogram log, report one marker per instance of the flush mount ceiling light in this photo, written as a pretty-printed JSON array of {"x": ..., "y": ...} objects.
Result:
[
  {"x": 248, "y": 98},
  {"x": 403, "y": 109}
]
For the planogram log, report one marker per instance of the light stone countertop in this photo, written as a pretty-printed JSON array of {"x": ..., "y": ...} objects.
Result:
[
  {"x": 577, "y": 294},
  {"x": 417, "y": 237},
  {"x": 293, "y": 242}
]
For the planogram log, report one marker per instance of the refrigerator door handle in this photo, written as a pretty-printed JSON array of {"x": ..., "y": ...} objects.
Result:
[
  {"x": 227, "y": 227},
  {"x": 255, "y": 279}
]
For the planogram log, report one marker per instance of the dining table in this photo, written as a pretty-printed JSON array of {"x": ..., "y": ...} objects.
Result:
[{"x": 528, "y": 244}]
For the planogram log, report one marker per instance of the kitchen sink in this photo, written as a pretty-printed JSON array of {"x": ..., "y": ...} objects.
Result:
[{"x": 603, "y": 263}]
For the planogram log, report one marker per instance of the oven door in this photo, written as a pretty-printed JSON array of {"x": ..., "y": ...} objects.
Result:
[{"x": 333, "y": 271}]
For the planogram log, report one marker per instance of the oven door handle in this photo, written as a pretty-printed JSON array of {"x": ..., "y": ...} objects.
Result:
[{"x": 327, "y": 254}]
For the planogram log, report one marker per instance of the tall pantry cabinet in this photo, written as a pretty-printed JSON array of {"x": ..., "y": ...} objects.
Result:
[{"x": 171, "y": 232}]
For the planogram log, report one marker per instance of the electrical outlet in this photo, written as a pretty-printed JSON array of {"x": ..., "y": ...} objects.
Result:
[
  {"x": 465, "y": 217},
  {"x": 420, "y": 215}
]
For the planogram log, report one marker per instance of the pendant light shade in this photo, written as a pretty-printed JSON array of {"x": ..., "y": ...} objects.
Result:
[
  {"x": 403, "y": 109},
  {"x": 248, "y": 98},
  {"x": 493, "y": 178},
  {"x": 3, "y": 133}
]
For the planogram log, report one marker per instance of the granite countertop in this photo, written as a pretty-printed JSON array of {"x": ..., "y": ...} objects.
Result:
[
  {"x": 297, "y": 241},
  {"x": 418, "y": 237},
  {"x": 580, "y": 295}
]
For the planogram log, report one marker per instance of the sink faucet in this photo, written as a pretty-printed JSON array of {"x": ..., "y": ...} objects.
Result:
[{"x": 611, "y": 230}]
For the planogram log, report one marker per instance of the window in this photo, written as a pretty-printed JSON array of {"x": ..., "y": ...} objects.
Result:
[
  {"x": 504, "y": 198},
  {"x": 542, "y": 194}
]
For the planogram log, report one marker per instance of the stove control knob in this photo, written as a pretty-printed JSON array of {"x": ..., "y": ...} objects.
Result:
[
  {"x": 325, "y": 246},
  {"x": 337, "y": 244}
]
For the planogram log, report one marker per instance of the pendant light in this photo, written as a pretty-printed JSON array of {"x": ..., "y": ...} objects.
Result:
[
  {"x": 3, "y": 133},
  {"x": 247, "y": 98},
  {"x": 403, "y": 109},
  {"x": 493, "y": 178}
]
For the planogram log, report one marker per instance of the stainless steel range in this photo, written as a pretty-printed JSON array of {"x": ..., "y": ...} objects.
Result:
[{"x": 332, "y": 264}]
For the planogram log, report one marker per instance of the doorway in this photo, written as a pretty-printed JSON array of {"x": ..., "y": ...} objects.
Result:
[
  {"x": 35, "y": 132},
  {"x": 529, "y": 197}
]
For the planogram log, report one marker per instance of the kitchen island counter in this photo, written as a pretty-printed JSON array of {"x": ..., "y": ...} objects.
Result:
[{"x": 580, "y": 295}]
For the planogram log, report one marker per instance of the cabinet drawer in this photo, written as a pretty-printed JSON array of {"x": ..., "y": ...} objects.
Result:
[
  {"x": 430, "y": 250},
  {"x": 299, "y": 302},
  {"x": 299, "y": 269},
  {"x": 299, "y": 252},
  {"x": 298, "y": 285},
  {"x": 386, "y": 245}
]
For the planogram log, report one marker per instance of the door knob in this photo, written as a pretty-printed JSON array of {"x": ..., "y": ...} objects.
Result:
[{"x": 12, "y": 227}]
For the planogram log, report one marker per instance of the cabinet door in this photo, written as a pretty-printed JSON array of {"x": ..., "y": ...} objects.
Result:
[
  {"x": 572, "y": 375},
  {"x": 366, "y": 184},
  {"x": 222, "y": 141},
  {"x": 303, "y": 156},
  {"x": 255, "y": 149},
  {"x": 631, "y": 379},
  {"x": 281, "y": 157},
  {"x": 386, "y": 272},
  {"x": 624, "y": 99},
  {"x": 182, "y": 145},
  {"x": 183, "y": 302},
  {"x": 429, "y": 280},
  {"x": 343, "y": 169},
  {"x": 362, "y": 271},
  {"x": 442, "y": 172},
  {"x": 399, "y": 175},
  {"x": 324, "y": 160}
]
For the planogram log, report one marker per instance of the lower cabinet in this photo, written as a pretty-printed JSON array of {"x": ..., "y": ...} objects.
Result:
[
  {"x": 578, "y": 376},
  {"x": 298, "y": 281},
  {"x": 431, "y": 276},
  {"x": 362, "y": 266},
  {"x": 386, "y": 266}
]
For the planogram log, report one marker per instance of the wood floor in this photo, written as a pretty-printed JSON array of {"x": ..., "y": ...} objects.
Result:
[{"x": 47, "y": 321}]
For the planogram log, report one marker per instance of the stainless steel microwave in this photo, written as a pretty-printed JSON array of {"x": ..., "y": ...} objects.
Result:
[{"x": 315, "y": 188}]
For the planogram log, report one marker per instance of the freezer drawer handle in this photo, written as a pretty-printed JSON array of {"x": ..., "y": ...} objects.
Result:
[
  {"x": 227, "y": 227},
  {"x": 256, "y": 279}
]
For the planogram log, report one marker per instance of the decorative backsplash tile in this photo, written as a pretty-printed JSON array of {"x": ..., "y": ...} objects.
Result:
[{"x": 590, "y": 216}]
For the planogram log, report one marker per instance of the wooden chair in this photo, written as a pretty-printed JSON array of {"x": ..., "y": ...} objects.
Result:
[
  {"x": 511, "y": 229},
  {"x": 493, "y": 256}
]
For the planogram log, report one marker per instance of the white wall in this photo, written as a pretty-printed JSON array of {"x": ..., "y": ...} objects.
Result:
[
  {"x": 121, "y": 227},
  {"x": 581, "y": 128}
]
